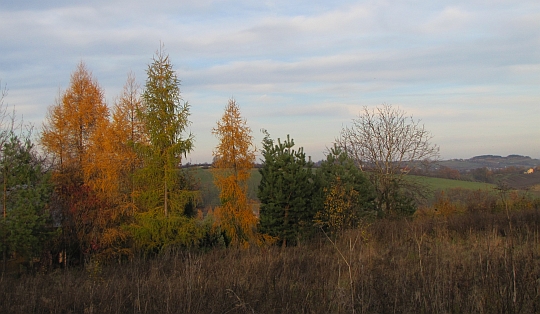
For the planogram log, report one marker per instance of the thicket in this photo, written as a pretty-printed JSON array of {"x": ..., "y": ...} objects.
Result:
[
  {"x": 475, "y": 263},
  {"x": 114, "y": 186}
]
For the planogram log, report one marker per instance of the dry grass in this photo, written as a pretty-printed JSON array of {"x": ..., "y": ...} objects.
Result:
[{"x": 471, "y": 263}]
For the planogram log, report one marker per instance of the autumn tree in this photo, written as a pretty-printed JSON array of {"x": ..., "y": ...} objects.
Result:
[
  {"x": 386, "y": 145},
  {"x": 109, "y": 171},
  {"x": 129, "y": 130},
  {"x": 67, "y": 137},
  {"x": 112, "y": 154},
  {"x": 286, "y": 192},
  {"x": 234, "y": 158},
  {"x": 73, "y": 120},
  {"x": 345, "y": 196}
]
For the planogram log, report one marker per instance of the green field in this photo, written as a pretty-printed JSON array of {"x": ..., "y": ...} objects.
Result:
[
  {"x": 443, "y": 184},
  {"x": 209, "y": 192}
]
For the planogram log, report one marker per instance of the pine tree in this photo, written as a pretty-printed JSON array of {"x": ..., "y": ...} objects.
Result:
[
  {"x": 26, "y": 189},
  {"x": 233, "y": 160},
  {"x": 286, "y": 191}
]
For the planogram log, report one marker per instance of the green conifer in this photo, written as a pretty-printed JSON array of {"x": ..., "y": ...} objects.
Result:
[{"x": 286, "y": 191}]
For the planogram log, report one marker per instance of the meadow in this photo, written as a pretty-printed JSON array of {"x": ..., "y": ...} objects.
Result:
[
  {"x": 210, "y": 194},
  {"x": 443, "y": 184},
  {"x": 468, "y": 254},
  {"x": 483, "y": 262}
]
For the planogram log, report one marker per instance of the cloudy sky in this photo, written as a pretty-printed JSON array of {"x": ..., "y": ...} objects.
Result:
[{"x": 469, "y": 70}]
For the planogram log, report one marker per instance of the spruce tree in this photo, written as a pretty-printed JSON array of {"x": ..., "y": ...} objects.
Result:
[
  {"x": 165, "y": 193},
  {"x": 25, "y": 225},
  {"x": 286, "y": 191},
  {"x": 165, "y": 116}
]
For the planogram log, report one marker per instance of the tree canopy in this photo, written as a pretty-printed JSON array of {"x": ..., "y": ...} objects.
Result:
[
  {"x": 165, "y": 117},
  {"x": 234, "y": 158},
  {"x": 286, "y": 192}
]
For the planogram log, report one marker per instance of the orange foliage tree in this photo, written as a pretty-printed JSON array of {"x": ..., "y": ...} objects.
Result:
[
  {"x": 109, "y": 172},
  {"x": 128, "y": 130},
  {"x": 113, "y": 159},
  {"x": 233, "y": 160},
  {"x": 67, "y": 137}
]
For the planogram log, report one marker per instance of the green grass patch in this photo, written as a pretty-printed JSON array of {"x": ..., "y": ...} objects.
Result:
[
  {"x": 443, "y": 184},
  {"x": 209, "y": 192}
]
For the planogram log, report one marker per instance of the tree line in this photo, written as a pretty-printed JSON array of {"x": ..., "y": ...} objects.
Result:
[{"x": 109, "y": 183}]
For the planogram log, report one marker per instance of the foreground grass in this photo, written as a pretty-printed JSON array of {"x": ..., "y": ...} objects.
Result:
[{"x": 477, "y": 263}]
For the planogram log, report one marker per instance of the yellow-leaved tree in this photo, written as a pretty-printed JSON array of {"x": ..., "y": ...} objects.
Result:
[
  {"x": 234, "y": 158},
  {"x": 114, "y": 159},
  {"x": 110, "y": 172},
  {"x": 70, "y": 125}
]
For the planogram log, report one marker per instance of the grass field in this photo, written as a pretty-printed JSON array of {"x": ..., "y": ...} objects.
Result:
[
  {"x": 443, "y": 184},
  {"x": 209, "y": 192},
  {"x": 210, "y": 195}
]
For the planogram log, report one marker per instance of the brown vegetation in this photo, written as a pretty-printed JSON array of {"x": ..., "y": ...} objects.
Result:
[{"x": 472, "y": 263}]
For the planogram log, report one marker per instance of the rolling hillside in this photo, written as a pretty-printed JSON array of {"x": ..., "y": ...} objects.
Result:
[
  {"x": 491, "y": 162},
  {"x": 210, "y": 197},
  {"x": 443, "y": 184}
]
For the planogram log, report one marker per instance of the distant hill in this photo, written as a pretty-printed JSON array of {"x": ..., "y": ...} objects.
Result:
[
  {"x": 492, "y": 162},
  {"x": 524, "y": 181},
  {"x": 510, "y": 169}
]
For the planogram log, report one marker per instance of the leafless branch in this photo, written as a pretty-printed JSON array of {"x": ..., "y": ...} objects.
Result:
[{"x": 388, "y": 144}]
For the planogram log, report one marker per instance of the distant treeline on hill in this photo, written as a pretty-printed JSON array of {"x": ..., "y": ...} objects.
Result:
[
  {"x": 493, "y": 162},
  {"x": 481, "y": 161},
  {"x": 487, "y": 157}
]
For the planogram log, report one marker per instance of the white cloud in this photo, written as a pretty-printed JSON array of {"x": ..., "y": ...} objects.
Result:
[
  {"x": 451, "y": 19},
  {"x": 298, "y": 68}
]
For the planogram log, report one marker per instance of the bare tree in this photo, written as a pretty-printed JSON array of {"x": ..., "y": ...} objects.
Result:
[
  {"x": 6, "y": 120},
  {"x": 388, "y": 144}
]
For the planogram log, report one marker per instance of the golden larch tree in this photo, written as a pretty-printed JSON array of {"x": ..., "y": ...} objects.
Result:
[
  {"x": 72, "y": 121},
  {"x": 129, "y": 130},
  {"x": 113, "y": 157},
  {"x": 114, "y": 160},
  {"x": 67, "y": 136},
  {"x": 234, "y": 157}
]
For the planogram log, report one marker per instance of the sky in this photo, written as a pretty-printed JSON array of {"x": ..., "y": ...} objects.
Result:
[{"x": 468, "y": 70}]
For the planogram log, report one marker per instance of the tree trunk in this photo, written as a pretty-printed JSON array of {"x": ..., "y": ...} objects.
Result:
[
  {"x": 4, "y": 257},
  {"x": 166, "y": 196}
]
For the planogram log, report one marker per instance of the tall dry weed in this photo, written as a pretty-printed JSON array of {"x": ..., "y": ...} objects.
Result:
[{"x": 470, "y": 263}]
